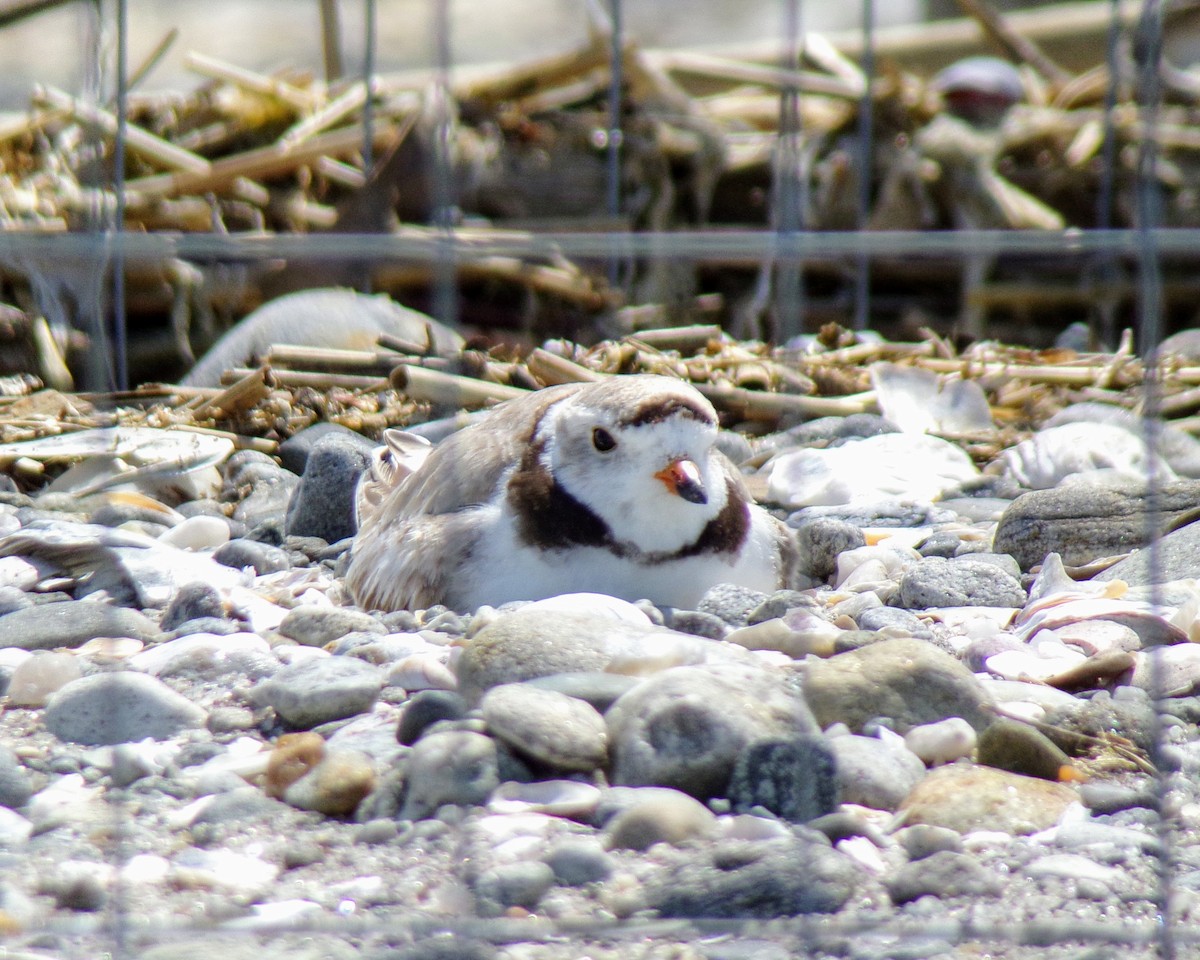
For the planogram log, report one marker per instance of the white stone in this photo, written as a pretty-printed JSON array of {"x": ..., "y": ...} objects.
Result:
[
  {"x": 941, "y": 742},
  {"x": 1073, "y": 866},
  {"x": 19, "y": 572},
  {"x": 211, "y": 648},
  {"x": 1076, "y": 450},
  {"x": 593, "y": 604},
  {"x": 197, "y": 533}
]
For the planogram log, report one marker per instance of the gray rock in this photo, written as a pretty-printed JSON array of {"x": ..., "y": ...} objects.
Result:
[
  {"x": 657, "y": 815},
  {"x": 873, "y": 772},
  {"x": 524, "y": 645},
  {"x": 696, "y": 622},
  {"x": 16, "y": 787},
  {"x": 820, "y": 540},
  {"x": 323, "y": 505},
  {"x": 778, "y": 605},
  {"x": 907, "y": 680},
  {"x": 578, "y": 862},
  {"x": 893, "y": 618},
  {"x": 448, "y": 767},
  {"x": 520, "y": 884},
  {"x": 795, "y": 778},
  {"x": 599, "y": 689},
  {"x": 321, "y": 689},
  {"x": 731, "y": 603},
  {"x": 425, "y": 708},
  {"x": 261, "y": 557},
  {"x": 1101, "y": 797},
  {"x": 13, "y": 598},
  {"x": 119, "y": 707},
  {"x": 260, "y": 487},
  {"x": 784, "y": 877},
  {"x": 193, "y": 601},
  {"x": 685, "y": 727},
  {"x": 923, "y": 840},
  {"x": 944, "y": 875},
  {"x": 1176, "y": 557},
  {"x": 294, "y": 452},
  {"x": 549, "y": 728},
  {"x": 1082, "y": 522},
  {"x": 47, "y": 626},
  {"x": 316, "y": 626},
  {"x": 965, "y": 582}
]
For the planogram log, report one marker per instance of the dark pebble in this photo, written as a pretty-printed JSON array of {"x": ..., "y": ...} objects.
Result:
[
  {"x": 425, "y": 708},
  {"x": 295, "y": 451},
  {"x": 695, "y": 622},
  {"x": 795, "y": 778},
  {"x": 323, "y": 505},
  {"x": 820, "y": 540},
  {"x": 193, "y": 601},
  {"x": 262, "y": 557}
]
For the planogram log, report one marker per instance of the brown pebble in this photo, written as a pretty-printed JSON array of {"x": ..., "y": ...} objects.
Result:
[{"x": 294, "y": 754}]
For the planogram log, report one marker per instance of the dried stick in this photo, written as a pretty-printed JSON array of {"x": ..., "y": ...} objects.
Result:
[
  {"x": 449, "y": 390},
  {"x": 686, "y": 340},
  {"x": 244, "y": 393},
  {"x": 552, "y": 369},
  {"x": 300, "y": 100},
  {"x": 140, "y": 141},
  {"x": 1012, "y": 43}
]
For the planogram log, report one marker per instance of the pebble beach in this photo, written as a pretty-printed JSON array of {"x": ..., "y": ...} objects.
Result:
[{"x": 977, "y": 719}]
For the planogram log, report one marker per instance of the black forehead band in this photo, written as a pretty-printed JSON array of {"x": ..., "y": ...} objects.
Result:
[{"x": 663, "y": 408}]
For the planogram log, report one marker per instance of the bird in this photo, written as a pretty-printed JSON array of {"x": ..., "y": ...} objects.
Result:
[{"x": 613, "y": 487}]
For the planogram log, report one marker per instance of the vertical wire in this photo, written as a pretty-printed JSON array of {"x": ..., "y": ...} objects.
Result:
[
  {"x": 616, "y": 133},
  {"x": 370, "y": 40},
  {"x": 1108, "y": 172},
  {"x": 1148, "y": 204},
  {"x": 120, "y": 342},
  {"x": 445, "y": 291},
  {"x": 789, "y": 293},
  {"x": 866, "y": 165}
]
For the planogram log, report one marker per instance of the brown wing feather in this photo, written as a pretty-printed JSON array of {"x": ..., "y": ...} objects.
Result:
[{"x": 420, "y": 531}]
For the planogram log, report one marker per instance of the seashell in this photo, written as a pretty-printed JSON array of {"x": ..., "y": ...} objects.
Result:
[
  {"x": 893, "y": 561},
  {"x": 1078, "y": 449},
  {"x": 37, "y": 677},
  {"x": 913, "y": 467},
  {"x": 1028, "y": 665},
  {"x": 921, "y": 401},
  {"x": 558, "y": 798},
  {"x": 745, "y": 826}
]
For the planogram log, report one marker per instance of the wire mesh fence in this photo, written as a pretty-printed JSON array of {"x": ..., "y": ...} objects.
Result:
[{"x": 809, "y": 184}]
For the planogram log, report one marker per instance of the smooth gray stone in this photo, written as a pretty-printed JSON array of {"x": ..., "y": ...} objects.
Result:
[
  {"x": 944, "y": 874},
  {"x": 549, "y": 728},
  {"x": 784, "y": 877},
  {"x": 519, "y": 884},
  {"x": 731, "y": 603},
  {"x": 907, "y": 680},
  {"x": 1082, "y": 522},
  {"x": 1175, "y": 557},
  {"x": 315, "y": 626},
  {"x": 321, "y": 689},
  {"x": 967, "y": 582},
  {"x": 448, "y": 767},
  {"x": 425, "y": 708},
  {"x": 874, "y": 773},
  {"x": 295, "y": 450},
  {"x": 324, "y": 504},
  {"x": 71, "y": 624},
  {"x": 119, "y": 707},
  {"x": 599, "y": 689},
  {"x": 16, "y": 786},
  {"x": 240, "y": 553},
  {"x": 820, "y": 540},
  {"x": 686, "y": 727},
  {"x": 193, "y": 601},
  {"x": 578, "y": 862}
]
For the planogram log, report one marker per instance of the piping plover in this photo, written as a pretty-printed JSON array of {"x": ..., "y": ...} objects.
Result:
[{"x": 610, "y": 487}]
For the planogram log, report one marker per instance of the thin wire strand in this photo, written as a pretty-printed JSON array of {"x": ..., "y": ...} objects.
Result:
[
  {"x": 120, "y": 341},
  {"x": 789, "y": 193},
  {"x": 370, "y": 42},
  {"x": 866, "y": 164}
]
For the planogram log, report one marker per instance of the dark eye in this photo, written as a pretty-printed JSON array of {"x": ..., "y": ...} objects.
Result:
[{"x": 602, "y": 440}]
